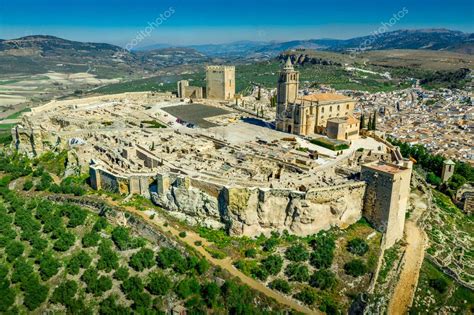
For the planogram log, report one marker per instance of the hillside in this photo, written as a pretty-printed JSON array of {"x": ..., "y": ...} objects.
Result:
[{"x": 40, "y": 54}]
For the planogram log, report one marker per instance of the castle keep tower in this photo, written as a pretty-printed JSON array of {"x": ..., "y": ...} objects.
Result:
[
  {"x": 386, "y": 198},
  {"x": 220, "y": 82},
  {"x": 287, "y": 92}
]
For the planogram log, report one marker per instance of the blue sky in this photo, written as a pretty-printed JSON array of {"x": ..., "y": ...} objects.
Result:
[{"x": 213, "y": 21}]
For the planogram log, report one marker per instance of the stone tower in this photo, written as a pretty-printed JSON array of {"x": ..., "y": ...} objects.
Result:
[
  {"x": 448, "y": 170},
  {"x": 386, "y": 198},
  {"x": 287, "y": 92},
  {"x": 220, "y": 82}
]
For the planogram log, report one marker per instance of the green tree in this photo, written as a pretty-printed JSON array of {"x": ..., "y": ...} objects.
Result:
[
  {"x": 307, "y": 296},
  {"x": 374, "y": 121},
  {"x": 273, "y": 264},
  {"x": 358, "y": 246},
  {"x": 158, "y": 284},
  {"x": 210, "y": 292},
  {"x": 323, "y": 279},
  {"x": 355, "y": 268},
  {"x": 187, "y": 286},
  {"x": 297, "y": 253},
  {"x": 48, "y": 266},
  {"x": 34, "y": 293},
  {"x": 362, "y": 121},
  {"x": 28, "y": 185},
  {"x": 297, "y": 272},
  {"x": 14, "y": 249},
  {"x": 64, "y": 292},
  {"x": 109, "y": 259},
  {"x": 78, "y": 261},
  {"x": 143, "y": 259},
  {"x": 121, "y": 274},
  {"x": 280, "y": 285},
  {"x": 90, "y": 239}
]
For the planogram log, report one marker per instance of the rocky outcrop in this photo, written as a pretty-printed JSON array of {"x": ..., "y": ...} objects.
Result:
[
  {"x": 303, "y": 58},
  {"x": 252, "y": 211}
]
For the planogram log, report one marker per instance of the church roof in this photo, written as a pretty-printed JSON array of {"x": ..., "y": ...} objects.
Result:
[{"x": 322, "y": 97}]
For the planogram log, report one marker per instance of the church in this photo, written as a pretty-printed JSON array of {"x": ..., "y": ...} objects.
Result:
[{"x": 311, "y": 114}]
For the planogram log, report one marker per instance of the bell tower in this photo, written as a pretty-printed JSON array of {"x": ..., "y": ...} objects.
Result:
[{"x": 287, "y": 92}]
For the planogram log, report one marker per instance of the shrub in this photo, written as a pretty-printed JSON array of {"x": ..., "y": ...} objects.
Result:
[
  {"x": 121, "y": 274},
  {"x": 433, "y": 179},
  {"x": 307, "y": 296},
  {"x": 439, "y": 284},
  {"x": 323, "y": 279},
  {"x": 323, "y": 253},
  {"x": 358, "y": 246},
  {"x": 34, "y": 293},
  {"x": 251, "y": 253},
  {"x": 355, "y": 268},
  {"x": 182, "y": 234},
  {"x": 28, "y": 185},
  {"x": 90, "y": 239},
  {"x": 14, "y": 249},
  {"x": 270, "y": 244},
  {"x": 109, "y": 259},
  {"x": 186, "y": 287},
  {"x": 158, "y": 284},
  {"x": 260, "y": 273},
  {"x": 78, "y": 261},
  {"x": 297, "y": 272},
  {"x": 210, "y": 291},
  {"x": 121, "y": 237},
  {"x": 280, "y": 285},
  {"x": 297, "y": 253},
  {"x": 64, "y": 242},
  {"x": 167, "y": 256},
  {"x": 143, "y": 259},
  {"x": 198, "y": 243},
  {"x": 48, "y": 266},
  {"x": 273, "y": 264},
  {"x": 65, "y": 292}
]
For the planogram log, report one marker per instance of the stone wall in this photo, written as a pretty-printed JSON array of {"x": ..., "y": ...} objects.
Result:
[{"x": 252, "y": 211}]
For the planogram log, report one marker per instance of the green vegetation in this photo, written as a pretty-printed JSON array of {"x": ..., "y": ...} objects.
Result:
[
  {"x": 38, "y": 238},
  {"x": 433, "y": 165},
  {"x": 358, "y": 246},
  {"x": 330, "y": 144},
  {"x": 355, "y": 268},
  {"x": 436, "y": 292},
  {"x": 153, "y": 124}
]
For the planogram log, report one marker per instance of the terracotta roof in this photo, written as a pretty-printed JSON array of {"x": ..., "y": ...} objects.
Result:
[{"x": 325, "y": 97}]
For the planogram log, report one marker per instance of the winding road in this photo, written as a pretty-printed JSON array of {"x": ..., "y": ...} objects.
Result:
[{"x": 404, "y": 292}]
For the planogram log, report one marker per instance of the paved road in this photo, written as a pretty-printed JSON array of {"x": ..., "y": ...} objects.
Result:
[
  {"x": 416, "y": 241},
  {"x": 190, "y": 239}
]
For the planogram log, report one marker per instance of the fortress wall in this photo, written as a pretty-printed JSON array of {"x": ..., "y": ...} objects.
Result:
[{"x": 252, "y": 211}]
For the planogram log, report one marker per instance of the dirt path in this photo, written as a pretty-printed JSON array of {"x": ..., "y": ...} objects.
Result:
[
  {"x": 416, "y": 240},
  {"x": 226, "y": 263}
]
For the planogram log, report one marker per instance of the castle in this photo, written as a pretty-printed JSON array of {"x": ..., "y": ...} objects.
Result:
[
  {"x": 311, "y": 114},
  {"x": 220, "y": 85}
]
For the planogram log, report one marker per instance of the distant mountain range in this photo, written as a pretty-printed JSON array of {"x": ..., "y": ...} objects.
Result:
[
  {"x": 431, "y": 39},
  {"x": 40, "y": 53}
]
